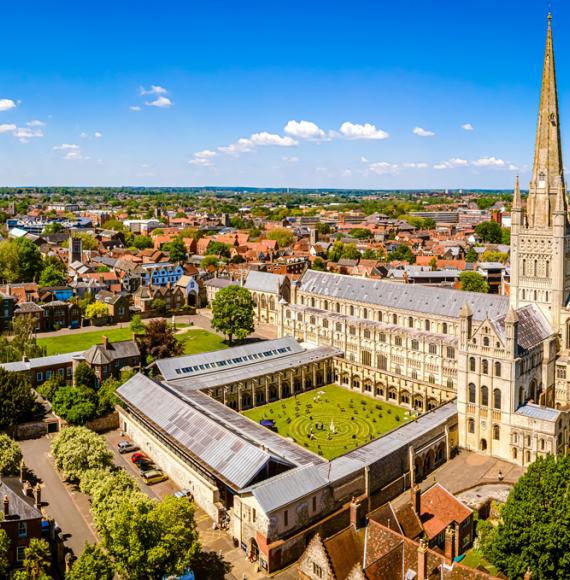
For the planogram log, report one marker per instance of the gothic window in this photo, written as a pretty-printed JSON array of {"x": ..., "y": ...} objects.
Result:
[
  {"x": 450, "y": 352},
  {"x": 312, "y": 320},
  {"x": 497, "y": 399},
  {"x": 547, "y": 268},
  {"x": 366, "y": 333},
  {"x": 312, "y": 302},
  {"x": 365, "y": 313},
  {"x": 484, "y": 396},
  {"x": 515, "y": 452},
  {"x": 398, "y": 340},
  {"x": 394, "y": 319},
  {"x": 381, "y": 362},
  {"x": 410, "y": 322},
  {"x": 325, "y": 323},
  {"x": 405, "y": 398},
  {"x": 497, "y": 369},
  {"x": 542, "y": 444},
  {"x": 433, "y": 348},
  {"x": 352, "y": 330},
  {"x": 536, "y": 268},
  {"x": 302, "y": 300},
  {"x": 337, "y": 307},
  {"x": 535, "y": 295},
  {"x": 415, "y": 345},
  {"x": 338, "y": 327},
  {"x": 471, "y": 426},
  {"x": 379, "y": 316},
  {"x": 431, "y": 379},
  {"x": 485, "y": 366},
  {"x": 288, "y": 314},
  {"x": 300, "y": 317},
  {"x": 444, "y": 328},
  {"x": 415, "y": 375},
  {"x": 472, "y": 390},
  {"x": 524, "y": 269},
  {"x": 326, "y": 304},
  {"x": 496, "y": 432},
  {"x": 521, "y": 395},
  {"x": 426, "y": 325},
  {"x": 382, "y": 337},
  {"x": 485, "y": 341},
  {"x": 450, "y": 383},
  {"x": 351, "y": 310},
  {"x": 366, "y": 358},
  {"x": 472, "y": 363}
]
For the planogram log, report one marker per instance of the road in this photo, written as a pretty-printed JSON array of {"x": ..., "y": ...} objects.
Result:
[{"x": 67, "y": 506}]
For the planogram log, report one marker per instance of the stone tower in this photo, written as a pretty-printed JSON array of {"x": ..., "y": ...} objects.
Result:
[{"x": 540, "y": 235}]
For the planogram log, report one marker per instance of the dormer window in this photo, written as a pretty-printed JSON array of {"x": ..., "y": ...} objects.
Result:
[{"x": 542, "y": 180}]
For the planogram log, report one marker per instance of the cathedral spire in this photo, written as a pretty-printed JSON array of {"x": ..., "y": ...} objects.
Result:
[
  {"x": 547, "y": 187},
  {"x": 517, "y": 201}
]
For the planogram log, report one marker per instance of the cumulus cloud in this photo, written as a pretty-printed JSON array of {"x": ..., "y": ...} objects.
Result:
[
  {"x": 203, "y": 158},
  {"x": 7, "y": 104},
  {"x": 65, "y": 147},
  {"x": 97, "y": 135},
  {"x": 134, "y": 108},
  {"x": 262, "y": 139},
  {"x": 414, "y": 165},
  {"x": 7, "y": 128},
  {"x": 153, "y": 90},
  {"x": 36, "y": 123},
  {"x": 75, "y": 156},
  {"x": 24, "y": 134},
  {"x": 72, "y": 152},
  {"x": 383, "y": 167},
  {"x": 205, "y": 154},
  {"x": 304, "y": 130},
  {"x": 366, "y": 131},
  {"x": 489, "y": 162},
  {"x": 290, "y": 159},
  {"x": 161, "y": 102},
  {"x": 421, "y": 132},
  {"x": 467, "y": 127},
  {"x": 452, "y": 163}
]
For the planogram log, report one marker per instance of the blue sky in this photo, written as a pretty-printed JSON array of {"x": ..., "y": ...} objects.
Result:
[{"x": 288, "y": 93}]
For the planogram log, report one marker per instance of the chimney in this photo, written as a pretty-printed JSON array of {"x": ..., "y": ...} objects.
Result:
[
  {"x": 105, "y": 341},
  {"x": 22, "y": 471},
  {"x": 416, "y": 497},
  {"x": 528, "y": 574},
  {"x": 449, "y": 549},
  {"x": 25, "y": 358},
  {"x": 355, "y": 513},
  {"x": 422, "y": 560},
  {"x": 6, "y": 506},
  {"x": 38, "y": 496}
]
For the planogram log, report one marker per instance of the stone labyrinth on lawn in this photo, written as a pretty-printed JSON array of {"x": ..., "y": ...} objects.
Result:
[{"x": 330, "y": 421}]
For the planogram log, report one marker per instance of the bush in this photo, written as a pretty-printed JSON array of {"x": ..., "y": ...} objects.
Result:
[
  {"x": 10, "y": 456},
  {"x": 76, "y": 405},
  {"x": 48, "y": 388}
]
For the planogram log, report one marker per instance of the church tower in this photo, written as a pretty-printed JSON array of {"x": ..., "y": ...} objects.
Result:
[{"x": 540, "y": 236}]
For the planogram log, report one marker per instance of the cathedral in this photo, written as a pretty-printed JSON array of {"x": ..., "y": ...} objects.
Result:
[{"x": 502, "y": 359}]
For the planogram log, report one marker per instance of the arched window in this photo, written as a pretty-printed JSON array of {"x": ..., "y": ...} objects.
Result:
[
  {"x": 426, "y": 325},
  {"x": 524, "y": 269},
  {"x": 471, "y": 426},
  {"x": 365, "y": 313},
  {"x": 444, "y": 328},
  {"x": 485, "y": 341},
  {"x": 496, "y": 432},
  {"x": 497, "y": 369},
  {"x": 337, "y": 306},
  {"x": 312, "y": 302},
  {"x": 351, "y": 310},
  {"x": 515, "y": 452},
  {"x": 536, "y": 268},
  {"x": 484, "y": 396},
  {"x": 547, "y": 268},
  {"x": 379, "y": 316},
  {"x": 472, "y": 390},
  {"x": 485, "y": 366},
  {"x": 326, "y": 305},
  {"x": 497, "y": 399},
  {"x": 472, "y": 363},
  {"x": 410, "y": 322},
  {"x": 394, "y": 319},
  {"x": 535, "y": 295},
  {"x": 521, "y": 395}
]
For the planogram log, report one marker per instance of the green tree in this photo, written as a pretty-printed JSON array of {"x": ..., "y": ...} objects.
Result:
[
  {"x": 233, "y": 312},
  {"x": 282, "y": 236},
  {"x": 159, "y": 304},
  {"x": 218, "y": 249},
  {"x": 36, "y": 561},
  {"x": 350, "y": 252},
  {"x": 473, "y": 282},
  {"x": 84, "y": 376},
  {"x": 493, "y": 256},
  {"x": 30, "y": 262},
  {"x": 4, "y": 547},
  {"x": 471, "y": 255},
  {"x": 489, "y": 232},
  {"x": 361, "y": 233},
  {"x": 534, "y": 531},
  {"x": 96, "y": 310},
  {"x": 10, "y": 455},
  {"x": 52, "y": 276},
  {"x": 9, "y": 266},
  {"x": 433, "y": 264},
  {"x": 76, "y": 405},
  {"x": 335, "y": 251},
  {"x": 48, "y": 388},
  {"x": 324, "y": 229},
  {"x": 506, "y": 236},
  {"x": 53, "y": 228},
  {"x": 159, "y": 341},
  {"x": 77, "y": 449},
  {"x": 93, "y": 564},
  {"x": 18, "y": 401},
  {"x": 102, "y": 268},
  {"x": 209, "y": 262},
  {"x": 369, "y": 254},
  {"x": 402, "y": 253},
  {"x": 176, "y": 250},
  {"x": 318, "y": 264},
  {"x": 136, "y": 326},
  {"x": 143, "y": 242},
  {"x": 20, "y": 341},
  {"x": 106, "y": 396}
]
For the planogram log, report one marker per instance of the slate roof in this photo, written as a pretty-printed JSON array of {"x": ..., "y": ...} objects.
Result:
[
  {"x": 18, "y": 505},
  {"x": 100, "y": 354},
  {"x": 28, "y": 307},
  {"x": 533, "y": 327},
  {"x": 220, "y": 282},
  {"x": 42, "y": 361},
  {"x": 537, "y": 412},
  {"x": 424, "y": 299},
  {"x": 264, "y": 282}
]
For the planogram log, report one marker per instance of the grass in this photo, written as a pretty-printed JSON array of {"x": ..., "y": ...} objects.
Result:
[
  {"x": 357, "y": 419},
  {"x": 474, "y": 558},
  {"x": 194, "y": 340}
]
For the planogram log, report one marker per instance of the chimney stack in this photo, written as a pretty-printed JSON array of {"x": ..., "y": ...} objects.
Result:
[
  {"x": 38, "y": 496},
  {"x": 422, "y": 560},
  {"x": 416, "y": 497},
  {"x": 449, "y": 550},
  {"x": 6, "y": 506},
  {"x": 105, "y": 341}
]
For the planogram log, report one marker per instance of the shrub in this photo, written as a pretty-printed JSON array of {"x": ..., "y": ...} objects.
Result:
[{"x": 10, "y": 456}]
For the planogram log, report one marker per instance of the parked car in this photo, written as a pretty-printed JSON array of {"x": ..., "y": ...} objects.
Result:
[
  {"x": 154, "y": 476},
  {"x": 146, "y": 466},
  {"x": 126, "y": 447},
  {"x": 135, "y": 457},
  {"x": 184, "y": 493}
]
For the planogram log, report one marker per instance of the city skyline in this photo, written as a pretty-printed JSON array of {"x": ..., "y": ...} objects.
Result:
[{"x": 350, "y": 97}]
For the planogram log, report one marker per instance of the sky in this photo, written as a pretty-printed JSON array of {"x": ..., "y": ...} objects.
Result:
[{"x": 289, "y": 93}]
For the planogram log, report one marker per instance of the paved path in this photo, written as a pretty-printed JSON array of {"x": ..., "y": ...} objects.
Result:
[{"x": 67, "y": 506}]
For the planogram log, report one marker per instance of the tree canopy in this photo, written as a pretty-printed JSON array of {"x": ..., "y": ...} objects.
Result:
[
  {"x": 10, "y": 455},
  {"x": 96, "y": 309},
  {"x": 159, "y": 341},
  {"x": 490, "y": 232},
  {"x": 233, "y": 312},
  {"x": 176, "y": 250},
  {"x": 52, "y": 276},
  {"x": 282, "y": 236},
  {"x": 18, "y": 401},
  {"x": 92, "y": 564},
  {"x": 473, "y": 282},
  {"x": 402, "y": 253}
]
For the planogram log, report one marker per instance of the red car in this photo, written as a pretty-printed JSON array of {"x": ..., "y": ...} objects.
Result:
[{"x": 138, "y": 457}]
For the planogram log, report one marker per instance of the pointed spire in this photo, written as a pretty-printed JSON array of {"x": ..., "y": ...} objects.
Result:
[
  {"x": 548, "y": 171},
  {"x": 517, "y": 201}
]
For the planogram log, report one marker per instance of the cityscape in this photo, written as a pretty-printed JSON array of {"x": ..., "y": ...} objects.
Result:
[{"x": 315, "y": 338}]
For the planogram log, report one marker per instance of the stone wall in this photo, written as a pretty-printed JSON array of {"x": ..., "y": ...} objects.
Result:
[{"x": 103, "y": 424}]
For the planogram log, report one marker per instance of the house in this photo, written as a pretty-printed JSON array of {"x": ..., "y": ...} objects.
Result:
[
  {"x": 214, "y": 285},
  {"x": 108, "y": 359},
  {"x": 117, "y": 305},
  {"x": 267, "y": 290},
  {"x": 31, "y": 309},
  {"x": 161, "y": 274},
  {"x": 7, "y": 305},
  {"x": 144, "y": 298},
  {"x": 193, "y": 289},
  {"x": 58, "y": 314}
]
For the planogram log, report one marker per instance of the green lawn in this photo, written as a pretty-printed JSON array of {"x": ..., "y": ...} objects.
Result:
[
  {"x": 474, "y": 558},
  {"x": 195, "y": 340},
  {"x": 355, "y": 419}
]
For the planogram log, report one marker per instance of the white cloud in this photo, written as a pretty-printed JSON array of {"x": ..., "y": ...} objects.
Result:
[
  {"x": 205, "y": 154},
  {"x": 74, "y": 156},
  {"x": 161, "y": 102},
  {"x": 65, "y": 147},
  {"x": 364, "y": 160},
  {"x": 201, "y": 162},
  {"x": 7, "y": 104},
  {"x": 264, "y": 138},
  {"x": 421, "y": 132},
  {"x": 346, "y": 172},
  {"x": 414, "y": 165},
  {"x": 452, "y": 163},
  {"x": 153, "y": 90},
  {"x": 366, "y": 131},
  {"x": 36, "y": 123},
  {"x": 24, "y": 134},
  {"x": 304, "y": 130},
  {"x": 290, "y": 159},
  {"x": 513, "y": 167},
  {"x": 468, "y": 127},
  {"x": 98, "y": 135},
  {"x": 382, "y": 168},
  {"x": 240, "y": 146},
  {"x": 83, "y": 135},
  {"x": 489, "y": 162},
  {"x": 7, "y": 128},
  {"x": 134, "y": 108}
]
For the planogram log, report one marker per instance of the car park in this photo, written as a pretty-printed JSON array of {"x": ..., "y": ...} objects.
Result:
[
  {"x": 154, "y": 476},
  {"x": 139, "y": 456},
  {"x": 126, "y": 447}
]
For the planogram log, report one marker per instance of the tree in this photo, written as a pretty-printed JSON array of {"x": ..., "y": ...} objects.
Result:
[
  {"x": 350, "y": 252},
  {"x": 30, "y": 263},
  {"x": 534, "y": 531},
  {"x": 473, "y": 282},
  {"x": 433, "y": 264},
  {"x": 96, "y": 310},
  {"x": 159, "y": 341},
  {"x": 53, "y": 228},
  {"x": 52, "y": 276},
  {"x": 106, "y": 396},
  {"x": 335, "y": 251},
  {"x": 49, "y": 387},
  {"x": 218, "y": 249},
  {"x": 143, "y": 242},
  {"x": 84, "y": 376},
  {"x": 148, "y": 539},
  {"x": 10, "y": 455},
  {"x": 77, "y": 449},
  {"x": 282, "y": 236},
  {"x": 403, "y": 254},
  {"x": 471, "y": 255},
  {"x": 492, "y": 256},
  {"x": 361, "y": 233},
  {"x": 489, "y": 232},
  {"x": 102, "y": 268},
  {"x": 9, "y": 270},
  {"x": 4, "y": 547},
  {"x": 22, "y": 341},
  {"x": 233, "y": 311},
  {"x": 506, "y": 236},
  {"x": 323, "y": 228},
  {"x": 369, "y": 254},
  {"x": 93, "y": 564},
  {"x": 318, "y": 264},
  {"x": 209, "y": 262},
  {"x": 36, "y": 562},
  {"x": 159, "y": 304},
  {"x": 88, "y": 241},
  {"x": 18, "y": 401},
  {"x": 76, "y": 405},
  {"x": 176, "y": 250},
  {"x": 136, "y": 326}
]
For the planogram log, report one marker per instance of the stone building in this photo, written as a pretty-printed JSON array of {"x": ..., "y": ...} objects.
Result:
[{"x": 267, "y": 290}]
